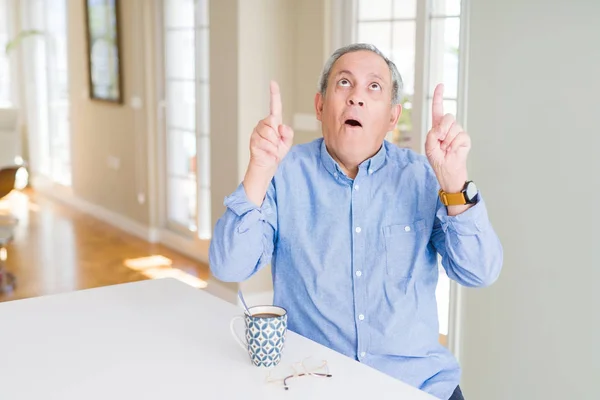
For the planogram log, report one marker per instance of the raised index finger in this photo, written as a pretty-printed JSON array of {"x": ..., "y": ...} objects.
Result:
[
  {"x": 437, "y": 106},
  {"x": 276, "y": 102}
]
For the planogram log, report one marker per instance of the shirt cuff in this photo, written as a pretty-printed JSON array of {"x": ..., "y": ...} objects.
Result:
[
  {"x": 249, "y": 212},
  {"x": 238, "y": 202},
  {"x": 471, "y": 222}
]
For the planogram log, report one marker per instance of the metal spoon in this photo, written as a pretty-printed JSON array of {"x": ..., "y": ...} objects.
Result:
[{"x": 241, "y": 297}]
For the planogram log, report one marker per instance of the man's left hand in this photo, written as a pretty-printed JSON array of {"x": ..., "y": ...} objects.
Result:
[{"x": 447, "y": 146}]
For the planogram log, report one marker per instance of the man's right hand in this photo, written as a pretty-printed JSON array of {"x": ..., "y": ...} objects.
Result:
[{"x": 269, "y": 143}]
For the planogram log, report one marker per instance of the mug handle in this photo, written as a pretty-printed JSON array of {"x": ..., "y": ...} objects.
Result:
[{"x": 241, "y": 341}]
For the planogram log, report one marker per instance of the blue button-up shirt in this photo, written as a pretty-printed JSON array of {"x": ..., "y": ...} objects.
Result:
[{"x": 355, "y": 261}]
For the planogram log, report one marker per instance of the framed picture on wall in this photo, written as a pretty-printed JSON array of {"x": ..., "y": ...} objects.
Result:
[{"x": 104, "y": 50}]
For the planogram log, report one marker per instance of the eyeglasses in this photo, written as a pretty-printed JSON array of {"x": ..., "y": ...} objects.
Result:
[{"x": 300, "y": 369}]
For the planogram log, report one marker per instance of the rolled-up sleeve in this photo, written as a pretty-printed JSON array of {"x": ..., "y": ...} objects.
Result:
[
  {"x": 243, "y": 238},
  {"x": 471, "y": 251}
]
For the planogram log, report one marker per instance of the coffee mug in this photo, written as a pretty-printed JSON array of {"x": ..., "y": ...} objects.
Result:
[{"x": 264, "y": 334}]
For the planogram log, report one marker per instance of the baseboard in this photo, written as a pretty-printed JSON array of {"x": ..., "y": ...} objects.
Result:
[
  {"x": 191, "y": 247},
  {"x": 65, "y": 195}
]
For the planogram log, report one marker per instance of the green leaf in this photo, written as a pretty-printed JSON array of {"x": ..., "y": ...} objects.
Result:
[{"x": 14, "y": 43}]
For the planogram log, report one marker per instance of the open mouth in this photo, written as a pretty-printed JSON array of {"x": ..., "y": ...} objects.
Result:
[{"x": 353, "y": 122}]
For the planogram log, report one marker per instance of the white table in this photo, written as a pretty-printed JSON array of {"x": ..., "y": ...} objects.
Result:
[{"x": 159, "y": 339}]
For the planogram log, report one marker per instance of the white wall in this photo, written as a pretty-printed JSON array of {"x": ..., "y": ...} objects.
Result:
[
  {"x": 311, "y": 51},
  {"x": 266, "y": 30},
  {"x": 533, "y": 113},
  {"x": 250, "y": 45}
]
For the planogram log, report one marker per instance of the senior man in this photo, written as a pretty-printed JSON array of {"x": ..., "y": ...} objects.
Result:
[{"x": 352, "y": 225}]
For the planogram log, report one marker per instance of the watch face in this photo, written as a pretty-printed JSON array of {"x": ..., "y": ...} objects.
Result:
[{"x": 470, "y": 191}]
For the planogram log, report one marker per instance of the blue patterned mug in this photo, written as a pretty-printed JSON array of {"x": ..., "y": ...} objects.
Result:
[{"x": 264, "y": 335}]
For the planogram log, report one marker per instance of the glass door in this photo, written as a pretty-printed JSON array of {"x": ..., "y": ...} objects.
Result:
[{"x": 187, "y": 124}]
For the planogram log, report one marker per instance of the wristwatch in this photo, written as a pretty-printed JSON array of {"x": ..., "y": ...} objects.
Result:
[{"x": 466, "y": 196}]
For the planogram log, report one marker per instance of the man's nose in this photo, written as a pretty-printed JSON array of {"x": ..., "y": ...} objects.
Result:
[{"x": 355, "y": 100}]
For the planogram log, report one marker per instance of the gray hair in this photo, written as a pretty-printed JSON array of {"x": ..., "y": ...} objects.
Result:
[{"x": 396, "y": 78}]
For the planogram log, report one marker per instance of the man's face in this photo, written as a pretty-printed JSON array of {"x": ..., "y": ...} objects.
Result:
[{"x": 357, "y": 112}]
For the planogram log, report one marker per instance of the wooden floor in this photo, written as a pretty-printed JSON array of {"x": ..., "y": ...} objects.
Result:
[{"x": 57, "y": 249}]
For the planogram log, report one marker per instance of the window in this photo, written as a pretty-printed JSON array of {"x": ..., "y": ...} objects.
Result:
[
  {"x": 187, "y": 116},
  {"x": 423, "y": 39},
  {"x": 5, "y": 37},
  {"x": 47, "y": 88}
]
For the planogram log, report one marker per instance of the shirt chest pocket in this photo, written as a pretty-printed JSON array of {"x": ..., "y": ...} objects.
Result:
[{"x": 402, "y": 245}]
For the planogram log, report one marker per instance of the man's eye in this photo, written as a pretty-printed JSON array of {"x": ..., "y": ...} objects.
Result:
[
  {"x": 344, "y": 82},
  {"x": 375, "y": 86}
]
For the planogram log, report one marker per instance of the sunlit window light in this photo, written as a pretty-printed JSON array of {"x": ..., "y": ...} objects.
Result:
[
  {"x": 143, "y": 263},
  {"x": 158, "y": 273},
  {"x": 157, "y": 267}
]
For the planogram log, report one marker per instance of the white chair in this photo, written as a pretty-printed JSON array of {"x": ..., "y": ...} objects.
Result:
[{"x": 10, "y": 141}]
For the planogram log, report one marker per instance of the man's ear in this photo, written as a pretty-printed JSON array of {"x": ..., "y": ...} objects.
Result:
[
  {"x": 394, "y": 116},
  {"x": 319, "y": 105}
]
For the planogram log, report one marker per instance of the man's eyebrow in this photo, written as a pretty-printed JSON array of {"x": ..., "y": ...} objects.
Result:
[
  {"x": 373, "y": 74},
  {"x": 344, "y": 71}
]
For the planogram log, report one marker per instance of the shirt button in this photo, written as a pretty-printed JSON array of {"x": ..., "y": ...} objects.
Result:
[
  {"x": 355, "y": 187},
  {"x": 358, "y": 229},
  {"x": 362, "y": 354},
  {"x": 370, "y": 171},
  {"x": 361, "y": 317},
  {"x": 358, "y": 273},
  {"x": 335, "y": 175},
  {"x": 407, "y": 228}
]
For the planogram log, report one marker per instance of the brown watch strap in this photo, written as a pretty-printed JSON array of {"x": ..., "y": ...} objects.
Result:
[{"x": 452, "y": 199}]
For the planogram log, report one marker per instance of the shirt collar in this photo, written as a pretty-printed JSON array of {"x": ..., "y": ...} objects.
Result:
[{"x": 370, "y": 165}]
